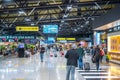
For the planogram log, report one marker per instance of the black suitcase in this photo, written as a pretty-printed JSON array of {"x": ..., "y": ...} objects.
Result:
[
  {"x": 86, "y": 66},
  {"x": 21, "y": 53},
  {"x": 55, "y": 55}
]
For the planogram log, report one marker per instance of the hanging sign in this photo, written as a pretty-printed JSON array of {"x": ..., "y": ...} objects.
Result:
[{"x": 27, "y": 28}]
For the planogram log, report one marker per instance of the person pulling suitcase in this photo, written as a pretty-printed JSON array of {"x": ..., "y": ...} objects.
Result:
[{"x": 81, "y": 53}]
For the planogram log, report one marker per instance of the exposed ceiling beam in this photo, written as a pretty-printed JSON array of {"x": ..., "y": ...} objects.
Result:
[
  {"x": 59, "y": 19},
  {"x": 2, "y": 17},
  {"x": 89, "y": 3}
]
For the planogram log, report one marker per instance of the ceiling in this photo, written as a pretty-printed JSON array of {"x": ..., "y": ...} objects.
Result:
[
  {"x": 73, "y": 16},
  {"x": 109, "y": 25}
]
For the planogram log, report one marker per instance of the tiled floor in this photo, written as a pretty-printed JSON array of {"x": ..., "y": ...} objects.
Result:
[
  {"x": 32, "y": 69},
  {"x": 53, "y": 68},
  {"x": 108, "y": 71}
]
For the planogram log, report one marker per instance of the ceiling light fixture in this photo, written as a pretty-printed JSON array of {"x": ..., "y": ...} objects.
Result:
[
  {"x": 32, "y": 24},
  {"x": 81, "y": 26},
  {"x": 75, "y": 30},
  {"x": 21, "y": 12},
  {"x": 27, "y": 19},
  {"x": 62, "y": 21},
  {"x": 65, "y": 15},
  {"x": 87, "y": 22},
  {"x": 78, "y": 28},
  {"x": 69, "y": 7}
]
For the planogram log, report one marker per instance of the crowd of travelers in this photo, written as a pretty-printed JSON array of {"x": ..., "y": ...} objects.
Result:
[{"x": 76, "y": 54}]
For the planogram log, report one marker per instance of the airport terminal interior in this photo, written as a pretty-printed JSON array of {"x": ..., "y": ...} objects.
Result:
[{"x": 59, "y": 39}]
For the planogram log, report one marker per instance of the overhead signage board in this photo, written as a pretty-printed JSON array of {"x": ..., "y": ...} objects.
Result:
[
  {"x": 60, "y": 39},
  {"x": 27, "y": 28},
  {"x": 68, "y": 39},
  {"x": 19, "y": 37}
]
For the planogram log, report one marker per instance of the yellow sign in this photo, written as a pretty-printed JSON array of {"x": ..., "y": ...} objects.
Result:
[
  {"x": 60, "y": 39},
  {"x": 27, "y": 28},
  {"x": 70, "y": 38}
]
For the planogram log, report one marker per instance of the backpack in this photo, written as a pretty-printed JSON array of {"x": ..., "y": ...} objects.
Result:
[
  {"x": 102, "y": 52},
  {"x": 97, "y": 55}
]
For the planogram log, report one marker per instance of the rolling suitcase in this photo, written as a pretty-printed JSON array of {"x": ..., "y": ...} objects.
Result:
[
  {"x": 87, "y": 66},
  {"x": 55, "y": 55}
]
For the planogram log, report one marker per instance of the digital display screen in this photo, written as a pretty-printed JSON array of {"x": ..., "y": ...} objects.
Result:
[
  {"x": 11, "y": 40},
  {"x": 51, "y": 39},
  {"x": 50, "y": 28}
]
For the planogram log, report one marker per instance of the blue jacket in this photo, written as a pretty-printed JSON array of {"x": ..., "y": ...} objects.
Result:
[{"x": 80, "y": 51}]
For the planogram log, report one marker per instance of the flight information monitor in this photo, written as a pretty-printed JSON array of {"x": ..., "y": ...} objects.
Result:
[{"x": 52, "y": 29}]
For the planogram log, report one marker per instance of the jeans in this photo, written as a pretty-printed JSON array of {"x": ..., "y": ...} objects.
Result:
[
  {"x": 80, "y": 62},
  {"x": 97, "y": 65},
  {"x": 70, "y": 73},
  {"x": 101, "y": 57},
  {"x": 41, "y": 56}
]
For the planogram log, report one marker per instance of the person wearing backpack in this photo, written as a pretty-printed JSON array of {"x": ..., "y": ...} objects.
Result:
[
  {"x": 102, "y": 53},
  {"x": 96, "y": 57},
  {"x": 80, "y": 51}
]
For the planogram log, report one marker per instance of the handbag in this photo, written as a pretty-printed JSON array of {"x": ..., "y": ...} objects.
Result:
[
  {"x": 62, "y": 53},
  {"x": 93, "y": 60},
  {"x": 51, "y": 54}
]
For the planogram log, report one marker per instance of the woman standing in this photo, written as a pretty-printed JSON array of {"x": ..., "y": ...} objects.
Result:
[{"x": 102, "y": 53}]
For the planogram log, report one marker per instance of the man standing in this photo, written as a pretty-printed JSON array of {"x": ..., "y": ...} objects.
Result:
[
  {"x": 96, "y": 57},
  {"x": 42, "y": 50},
  {"x": 80, "y": 51},
  {"x": 72, "y": 57}
]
